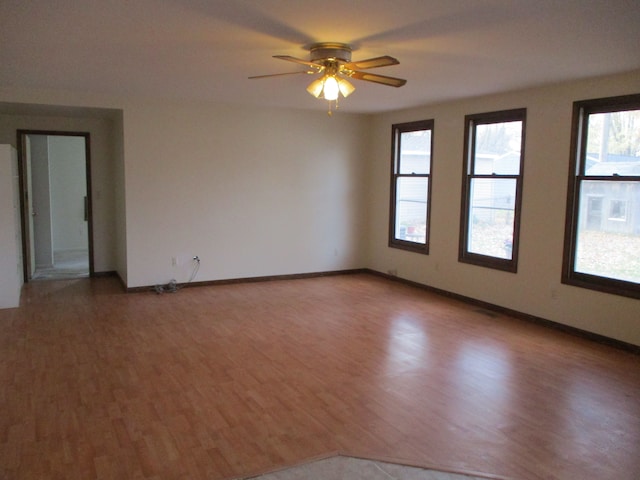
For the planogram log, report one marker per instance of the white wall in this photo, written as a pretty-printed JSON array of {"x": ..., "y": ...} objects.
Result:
[
  {"x": 68, "y": 175},
  {"x": 10, "y": 239},
  {"x": 536, "y": 288},
  {"x": 252, "y": 192},
  {"x": 118, "y": 236},
  {"x": 31, "y": 246}
]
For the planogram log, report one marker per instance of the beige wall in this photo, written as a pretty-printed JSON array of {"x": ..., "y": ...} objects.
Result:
[
  {"x": 252, "y": 192},
  {"x": 260, "y": 192},
  {"x": 536, "y": 288}
]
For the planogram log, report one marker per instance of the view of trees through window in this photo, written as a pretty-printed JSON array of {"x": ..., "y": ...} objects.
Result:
[
  {"x": 621, "y": 130},
  {"x": 497, "y": 153},
  {"x": 602, "y": 238},
  {"x": 608, "y": 230},
  {"x": 493, "y": 179}
]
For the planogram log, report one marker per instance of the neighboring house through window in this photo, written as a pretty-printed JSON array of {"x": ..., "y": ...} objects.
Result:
[
  {"x": 602, "y": 237},
  {"x": 492, "y": 189},
  {"x": 411, "y": 185}
]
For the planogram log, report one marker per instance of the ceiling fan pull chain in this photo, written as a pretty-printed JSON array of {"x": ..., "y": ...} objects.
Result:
[{"x": 333, "y": 105}]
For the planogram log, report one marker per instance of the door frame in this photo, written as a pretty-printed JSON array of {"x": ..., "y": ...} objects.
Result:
[{"x": 24, "y": 193}]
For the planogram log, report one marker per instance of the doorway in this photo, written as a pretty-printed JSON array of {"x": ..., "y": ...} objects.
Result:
[
  {"x": 594, "y": 212},
  {"x": 56, "y": 204}
]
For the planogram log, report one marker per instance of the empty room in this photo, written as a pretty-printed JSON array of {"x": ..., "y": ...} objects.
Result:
[{"x": 277, "y": 240}]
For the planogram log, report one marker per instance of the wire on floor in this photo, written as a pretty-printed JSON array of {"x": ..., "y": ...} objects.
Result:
[{"x": 173, "y": 286}]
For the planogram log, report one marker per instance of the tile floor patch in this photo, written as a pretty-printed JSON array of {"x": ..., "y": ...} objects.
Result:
[{"x": 349, "y": 468}]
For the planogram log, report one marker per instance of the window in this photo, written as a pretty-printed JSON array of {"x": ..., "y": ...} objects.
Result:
[
  {"x": 410, "y": 185},
  {"x": 602, "y": 237},
  {"x": 492, "y": 189},
  {"x": 618, "y": 210}
]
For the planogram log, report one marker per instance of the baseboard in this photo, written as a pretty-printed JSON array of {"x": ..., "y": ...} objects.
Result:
[
  {"x": 110, "y": 273},
  {"x": 602, "y": 339},
  {"x": 270, "y": 278}
]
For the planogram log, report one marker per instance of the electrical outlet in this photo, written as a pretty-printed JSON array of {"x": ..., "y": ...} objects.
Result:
[{"x": 174, "y": 262}]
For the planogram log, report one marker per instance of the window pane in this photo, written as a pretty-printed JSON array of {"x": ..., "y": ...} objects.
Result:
[
  {"x": 411, "y": 209},
  {"x": 608, "y": 234},
  {"x": 498, "y": 148},
  {"x": 411, "y": 173},
  {"x": 415, "y": 152},
  {"x": 491, "y": 217},
  {"x": 613, "y": 143}
]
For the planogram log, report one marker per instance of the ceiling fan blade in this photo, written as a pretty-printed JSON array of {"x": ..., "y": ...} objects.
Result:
[
  {"x": 376, "y": 62},
  {"x": 298, "y": 60},
  {"x": 371, "y": 77},
  {"x": 309, "y": 72}
]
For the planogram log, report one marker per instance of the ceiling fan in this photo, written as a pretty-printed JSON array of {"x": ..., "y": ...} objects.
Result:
[{"x": 333, "y": 61}]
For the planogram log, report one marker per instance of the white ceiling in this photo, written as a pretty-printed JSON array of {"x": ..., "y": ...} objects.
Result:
[{"x": 204, "y": 50}]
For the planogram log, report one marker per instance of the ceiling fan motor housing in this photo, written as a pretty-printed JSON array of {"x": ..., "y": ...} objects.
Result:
[{"x": 330, "y": 50}]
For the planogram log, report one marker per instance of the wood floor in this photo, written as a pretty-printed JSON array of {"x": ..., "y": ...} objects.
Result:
[{"x": 227, "y": 381}]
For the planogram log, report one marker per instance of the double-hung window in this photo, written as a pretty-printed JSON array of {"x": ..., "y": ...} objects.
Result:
[
  {"x": 411, "y": 185},
  {"x": 602, "y": 236},
  {"x": 492, "y": 189}
]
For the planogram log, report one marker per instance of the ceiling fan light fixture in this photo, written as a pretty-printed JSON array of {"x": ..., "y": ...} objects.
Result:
[
  {"x": 333, "y": 62},
  {"x": 346, "y": 88},
  {"x": 315, "y": 87},
  {"x": 331, "y": 88}
]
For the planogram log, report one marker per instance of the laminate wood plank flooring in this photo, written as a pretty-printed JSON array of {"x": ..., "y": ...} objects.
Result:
[{"x": 231, "y": 381}]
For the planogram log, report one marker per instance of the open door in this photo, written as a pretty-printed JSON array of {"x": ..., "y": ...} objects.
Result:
[{"x": 56, "y": 204}]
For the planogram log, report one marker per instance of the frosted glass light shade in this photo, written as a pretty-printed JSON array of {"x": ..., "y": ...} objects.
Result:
[
  {"x": 315, "y": 87},
  {"x": 345, "y": 87},
  {"x": 331, "y": 89}
]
